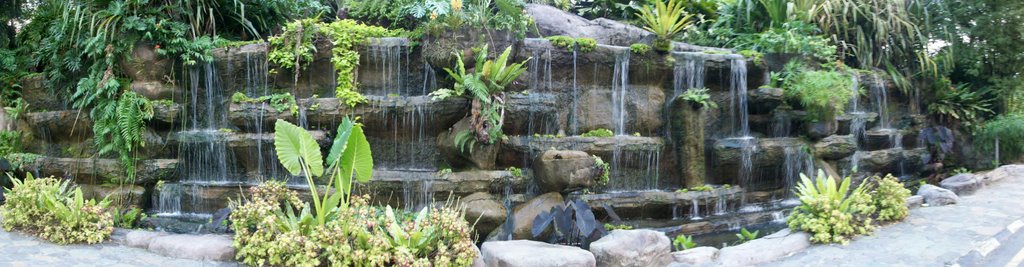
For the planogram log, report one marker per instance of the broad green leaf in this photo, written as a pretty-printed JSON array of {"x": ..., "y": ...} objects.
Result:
[
  {"x": 295, "y": 148},
  {"x": 340, "y": 141},
  {"x": 356, "y": 159}
]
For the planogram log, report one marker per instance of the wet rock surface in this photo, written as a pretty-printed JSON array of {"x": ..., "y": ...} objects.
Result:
[
  {"x": 552, "y": 21},
  {"x": 484, "y": 209},
  {"x": 527, "y": 253},
  {"x": 524, "y": 214},
  {"x": 835, "y": 147},
  {"x": 476, "y": 155},
  {"x": 558, "y": 170},
  {"x": 632, "y": 248}
]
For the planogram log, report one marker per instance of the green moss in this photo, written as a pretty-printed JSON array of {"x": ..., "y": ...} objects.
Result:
[
  {"x": 598, "y": 133},
  {"x": 639, "y": 49},
  {"x": 279, "y": 102},
  {"x": 584, "y": 44}
]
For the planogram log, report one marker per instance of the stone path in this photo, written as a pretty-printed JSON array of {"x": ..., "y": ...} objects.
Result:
[
  {"x": 17, "y": 249},
  {"x": 930, "y": 236}
]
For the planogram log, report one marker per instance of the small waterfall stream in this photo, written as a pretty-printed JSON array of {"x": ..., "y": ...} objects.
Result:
[{"x": 620, "y": 91}]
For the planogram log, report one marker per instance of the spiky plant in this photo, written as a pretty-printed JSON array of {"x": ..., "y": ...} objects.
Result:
[{"x": 665, "y": 20}]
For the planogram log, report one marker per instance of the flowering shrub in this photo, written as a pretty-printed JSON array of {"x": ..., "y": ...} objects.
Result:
[
  {"x": 831, "y": 213},
  {"x": 267, "y": 233},
  {"x": 56, "y": 211},
  {"x": 890, "y": 197}
]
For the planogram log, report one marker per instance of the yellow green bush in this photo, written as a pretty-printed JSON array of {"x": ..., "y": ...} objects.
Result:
[{"x": 56, "y": 211}]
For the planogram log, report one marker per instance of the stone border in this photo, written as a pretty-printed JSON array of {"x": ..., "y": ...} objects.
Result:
[{"x": 981, "y": 250}]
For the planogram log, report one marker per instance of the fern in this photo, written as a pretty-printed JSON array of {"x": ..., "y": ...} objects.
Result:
[
  {"x": 119, "y": 125},
  {"x": 465, "y": 139}
]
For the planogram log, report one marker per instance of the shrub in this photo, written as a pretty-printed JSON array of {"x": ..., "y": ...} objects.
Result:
[
  {"x": 275, "y": 227},
  {"x": 831, "y": 213},
  {"x": 583, "y": 44},
  {"x": 56, "y": 211},
  {"x": 598, "y": 133},
  {"x": 699, "y": 96},
  {"x": 824, "y": 94},
  {"x": 639, "y": 49},
  {"x": 665, "y": 20},
  {"x": 890, "y": 198},
  {"x": 1008, "y": 130}
]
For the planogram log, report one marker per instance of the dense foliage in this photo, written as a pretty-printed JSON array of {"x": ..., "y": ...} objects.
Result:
[
  {"x": 822, "y": 93},
  {"x": 833, "y": 213},
  {"x": 55, "y": 210},
  {"x": 1003, "y": 136},
  {"x": 830, "y": 212},
  {"x": 294, "y": 49},
  {"x": 485, "y": 85},
  {"x": 275, "y": 227}
]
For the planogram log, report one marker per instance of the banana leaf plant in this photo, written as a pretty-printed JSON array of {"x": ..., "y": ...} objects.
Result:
[
  {"x": 348, "y": 158},
  {"x": 572, "y": 223}
]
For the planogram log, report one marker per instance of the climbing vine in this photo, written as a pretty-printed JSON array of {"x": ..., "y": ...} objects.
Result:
[{"x": 294, "y": 48}]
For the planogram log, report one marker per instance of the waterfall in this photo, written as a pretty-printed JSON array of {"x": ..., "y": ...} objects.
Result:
[
  {"x": 880, "y": 98},
  {"x": 540, "y": 69},
  {"x": 635, "y": 169},
  {"x": 429, "y": 79},
  {"x": 388, "y": 67},
  {"x": 721, "y": 204},
  {"x": 573, "y": 119},
  {"x": 738, "y": 103},
  {"x": 418, "y": 193},
  {"x": 620, "y": 89},
  {"x": 897, "y": 144},
  {"x": 695, "y": 210},
  {"x": 688, "y": 72},
  {"x": 781, "y": 125},
  {"x": 410, "y": 147},
  {"x": 203, "y": 151},
  {"x": 797, "y": 160}
]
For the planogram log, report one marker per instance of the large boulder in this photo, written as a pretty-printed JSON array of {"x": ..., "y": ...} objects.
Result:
[
  {"x": 480, "y": 156},
  {"x": 695, "y": 256},
  {"x": 1003, "y": 173},
  {"x": 194, "y": 247},
  {"x": 835, "y": 147},
  {"x": 765, "y": 99},
  {"x": 484, "y": 209},
  {"x": 524, "y": 214},
  {"x": 527, "y": 253},
  {"x": 559, "y": 170},
  {"x": 553, "y": 21},
  {"x": 937, "y": 196},
  {"x": 141, "y": 238},
  {"x": 964, "y": 183},
  {"x": 766, "y": 249},
  {"x": 632, "y": 248}
]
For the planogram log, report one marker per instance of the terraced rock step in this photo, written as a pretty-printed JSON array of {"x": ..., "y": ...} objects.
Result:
[
  {"x": 98, "y": 171},
  {"x": 378, "y": 116}
]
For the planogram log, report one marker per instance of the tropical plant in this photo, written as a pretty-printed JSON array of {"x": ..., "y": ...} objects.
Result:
[
  {"x": 486, "y": 87},
  {"x": 416, "y": 238},
  {"x": 822, "y": 93},
  {"x": 665, "y": 20},
  {"x": 56, "y": 211},
  {"x": 961, "y": 106},
  {"x": 293, "y": 49},
  {"x": 10, "y": 142},
  {"x": 744, "y": 235},
  {"x": 699, "y": 97},
  {"x": 571, "y": 223},
  {"x": 1003, "y": 136},
  {"x": 789, "y": 37},
  {"x": 605, "y": 171},
  {"x": 639, "y": 49},
  {"x": 889, "y": 197},
  {"x": 831, "y": 213},
  {"x": 127, "y": 218},
  {"x": 683, "y": 242}
]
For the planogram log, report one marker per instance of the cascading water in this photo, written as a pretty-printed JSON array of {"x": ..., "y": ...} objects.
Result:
[
  {"x": 429, "y": 79},
  {"x": 620, "y": 91},
  {"x": 203, "y": 154},
  {"x": 417, "y": 193},
  {"x": 880, "y": 97},
  {"x": 573, "y": 116},
  {"x": 688, "y": 72},
  {"x": 797, "y": 160},
  {"x": 388, "y": 72},
  {"x": 410, "y": 145},
  {"x": 738, "y": 102},
  {"x": 781, "y": 125},
  {"x": 695, "y": 210},
  {"x": 540, "y": 68}
]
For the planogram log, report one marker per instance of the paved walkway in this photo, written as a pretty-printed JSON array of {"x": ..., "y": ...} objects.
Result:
[
  {"x": 17, "y": 249},
  {"x": 930, "y": 236}
]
